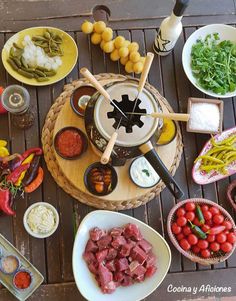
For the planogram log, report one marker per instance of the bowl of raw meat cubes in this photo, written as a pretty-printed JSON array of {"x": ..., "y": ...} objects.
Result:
[{"x": 116, "y": 256}]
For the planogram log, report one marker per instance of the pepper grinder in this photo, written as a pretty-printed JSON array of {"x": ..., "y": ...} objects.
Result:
[
  {"x": 16, "y": 100},
  {"x": 170, "y": 29}
]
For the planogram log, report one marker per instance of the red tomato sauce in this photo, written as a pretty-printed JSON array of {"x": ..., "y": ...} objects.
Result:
[
  {"x": 69, "y": 143},
  {"x": 22, "y": 280}
]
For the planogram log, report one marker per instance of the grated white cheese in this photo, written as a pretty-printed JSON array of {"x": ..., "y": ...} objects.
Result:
[
  {"x": 204, "y": 116},
  {"x": 41, "y": 220}
]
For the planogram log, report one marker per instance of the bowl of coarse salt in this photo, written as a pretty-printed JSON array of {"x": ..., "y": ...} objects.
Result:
[
  {"x": 41, "y": 220},
  {"x": 206, "y": 115}
]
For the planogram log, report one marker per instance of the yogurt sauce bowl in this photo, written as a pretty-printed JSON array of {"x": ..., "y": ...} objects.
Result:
[{"x": 142, "y": 173}]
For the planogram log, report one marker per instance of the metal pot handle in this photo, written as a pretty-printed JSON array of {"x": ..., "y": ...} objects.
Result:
[{"x": 151, "y": 155}]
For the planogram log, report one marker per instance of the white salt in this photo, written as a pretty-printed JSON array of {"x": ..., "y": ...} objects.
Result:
[{"x": 204, "y": 116}]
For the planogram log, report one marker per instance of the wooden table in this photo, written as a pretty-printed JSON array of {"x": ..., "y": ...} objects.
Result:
[{"x": 136, "y": 20}]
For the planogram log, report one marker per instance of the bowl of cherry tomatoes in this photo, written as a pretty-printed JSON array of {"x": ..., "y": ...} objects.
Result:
[{"x": 202, "y": 230}]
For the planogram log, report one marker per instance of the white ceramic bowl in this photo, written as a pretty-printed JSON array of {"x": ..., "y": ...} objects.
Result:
[
  {"x": 226, "y": 32},
  {"x": 86, "y": 282},
  {"x": 36, "y": 235}
]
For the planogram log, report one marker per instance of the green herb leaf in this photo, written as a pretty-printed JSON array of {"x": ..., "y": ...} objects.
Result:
[{"x": 146, "y": 172}]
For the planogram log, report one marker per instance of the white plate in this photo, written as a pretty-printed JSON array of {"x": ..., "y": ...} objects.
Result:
[
  {"x": 85, "y": 281},
  {"x": 226, "y": 32}
]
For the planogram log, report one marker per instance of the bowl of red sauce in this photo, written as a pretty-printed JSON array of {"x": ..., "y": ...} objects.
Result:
[
  {"x": 22, "y": 280},
  {"x": 80, "y": 97},
  {"x": 70, "y": 143}
]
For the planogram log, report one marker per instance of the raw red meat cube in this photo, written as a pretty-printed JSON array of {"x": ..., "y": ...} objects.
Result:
[
  {"x": 150, "y": 271},
  {"x": 132, "y": 231},
  {"x": 119, "y": 276},
  {"x": 96, "y": 233},
  {"x": 93, "y": 267},
  {"x": 89, "y": 257},
  {"x": 139, "y": 271},
  {"x": 140, "y": 278},
  {"x": 91, "y": 246},
  {"x": 109, "y": 287},
  {"x": 104, "y": 242},
  {"x": 125, "y": 249},
  {"x": 118, "y": 242},
  {"x": 105, "y": 276},
  {"x": 122, "y": 264},
  {"x": 133, "y": 265},
  {"x": 145, "y": 245},
  {"x": 138, "y": 254},
  {"x": 116, "y": 231},
  {"x": 112, "y": 253},
  {"x": 111, "y": 265},
  {"x": 151, "y": 260},
  {"x": 127, "y": 281},
  {"x": 101, "y": 255}
]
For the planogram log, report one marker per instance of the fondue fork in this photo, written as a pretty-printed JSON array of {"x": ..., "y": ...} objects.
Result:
[
  {"x": 107, "y": 153},
  {"x": 172, "y": 116},
  {"x": 146, "y": 68},
  {"x": 86, "y": 73}
]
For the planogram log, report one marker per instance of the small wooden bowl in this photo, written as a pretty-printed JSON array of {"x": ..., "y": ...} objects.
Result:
[
  {"x": 230, "y": 189},
  {"x": 190, "y": 255}
]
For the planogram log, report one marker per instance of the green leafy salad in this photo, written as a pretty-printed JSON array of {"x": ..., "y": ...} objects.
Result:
[{"x": 213, "y": 64}]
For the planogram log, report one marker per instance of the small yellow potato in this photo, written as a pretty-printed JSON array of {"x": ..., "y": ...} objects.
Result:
[
  {"x": 126, "y": 43},
  {"x": 102, "y": 44},
  {"x": 119, "y": 41},
  {"x": 115, "y": 55},
  {"x": 108, "y": 47},
  {"x": 129, "y": 67},
  {"x": 138, "y": 67},
  {"x": 123, "y": 51},
  {"x": 133, "y": 46},
  {"x": 134, "y": 56},
  {"x": 87, "y": 27},
  {"x": 96, "y": 38},
  {"x": 107, "y": 34},
  {"x": 142, "y": 59},
  {"x": 99, "y": 26},
  {"x": 124, "y": 60}
]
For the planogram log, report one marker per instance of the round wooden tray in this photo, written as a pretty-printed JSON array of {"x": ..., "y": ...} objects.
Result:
[{"x": 69, "y": 174}]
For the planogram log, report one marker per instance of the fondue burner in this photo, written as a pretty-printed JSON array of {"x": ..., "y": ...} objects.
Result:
[{"x": 126, "y": 105}]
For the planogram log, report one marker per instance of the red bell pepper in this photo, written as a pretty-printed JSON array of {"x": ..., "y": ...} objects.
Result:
[
  {"x": 36, "y": 150},
  {"x": 14, "y": 176},
  {"x": 5, "y": 201}
]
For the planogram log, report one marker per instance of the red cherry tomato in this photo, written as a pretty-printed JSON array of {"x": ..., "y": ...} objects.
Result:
[
  {"x": 214, "y": 210},
  {"x": 186, "y": 230},
  {"x": 228, "y": 225},
  {"x": 180, "y": 212},
  {"x": 214, "y": 246},
  {"x": 205, "y": 253},
  {"x": 218, "y": 219},
  {"x": 196, "y": 249},
  {"x": 202, "y": 244},
  {"x": 205, "y": 228},
  {"x": 221, "y": 238},
  {"x": 207, "y": 215},
  {"x": 181, "y": 221},
  {"x": 175, "y": 228},
  {"x": 192, "y": 239},
  {"x": 185, "y": 244},
  {"x": 190, "y": 215},
  {"x": 190, "y": 206},
  {"x": 211, "y": 238},
  {"x": 226, "y": 232},
  {"x": 204, "y": 208},
  {"x": 231, "y": 237},
  {"x": 209, "y": 223},
  {"x": 196, "y": 222},
  {"x": 180, "y": 236},
  {"x": 226, "y": 247}
]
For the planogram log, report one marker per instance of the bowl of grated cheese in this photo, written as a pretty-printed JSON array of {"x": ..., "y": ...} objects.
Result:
[{"x": 41, "y": 220}]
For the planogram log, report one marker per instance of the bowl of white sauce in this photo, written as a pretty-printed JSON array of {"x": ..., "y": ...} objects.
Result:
[
  {"x": 41, "y": 220},
  {"x": 142, "y": 173}
]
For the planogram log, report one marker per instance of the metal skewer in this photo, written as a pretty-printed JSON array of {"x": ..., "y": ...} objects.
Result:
[
  {"x": 172, "y": 116},
  {"x": 86, "y": 73}
]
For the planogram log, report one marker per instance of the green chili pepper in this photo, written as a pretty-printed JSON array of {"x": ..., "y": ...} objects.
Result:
[
  {"x": 50, "y": 73},
  {"x": 25, "y": 73},
  {"x": 209, "y": 158},
  {"x": 47, "y": 35},
  {"x": 23, "y": 62},
  {"x": 17, "y": 46},
  {"x": 200, "y": 215},
  {"x": 198, "y": 231},
  {"x": 39, "y": 38},
  {"x": 13, "y": 64},
  {"x": 40, "y": 73},
  {"x": 42, "y": 79}
]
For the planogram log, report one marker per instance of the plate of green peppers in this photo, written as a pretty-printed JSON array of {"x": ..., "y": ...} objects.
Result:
[{"x": 217, "y": 160}]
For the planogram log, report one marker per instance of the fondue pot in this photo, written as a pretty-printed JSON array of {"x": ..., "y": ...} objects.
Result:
[{"x": 134, "y": 133}]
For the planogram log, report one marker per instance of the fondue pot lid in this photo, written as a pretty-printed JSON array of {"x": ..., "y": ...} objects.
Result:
[{"x": 107, "y": 118}]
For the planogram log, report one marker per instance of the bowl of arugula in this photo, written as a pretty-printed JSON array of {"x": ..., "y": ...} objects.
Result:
[{"x": 209, "y": 60}]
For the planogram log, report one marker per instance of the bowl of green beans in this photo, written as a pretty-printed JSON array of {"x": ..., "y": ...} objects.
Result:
[{"x": 209, "y": 60}]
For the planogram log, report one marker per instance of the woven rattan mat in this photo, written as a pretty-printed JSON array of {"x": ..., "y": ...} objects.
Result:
[{"x": 47, "y": 142}]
